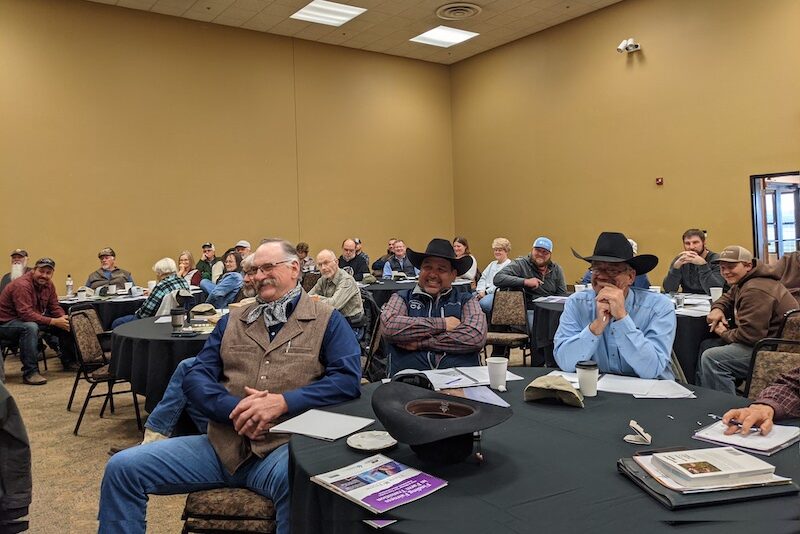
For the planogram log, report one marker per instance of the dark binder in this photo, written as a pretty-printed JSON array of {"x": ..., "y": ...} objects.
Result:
[{"x": 675, "y": 500}]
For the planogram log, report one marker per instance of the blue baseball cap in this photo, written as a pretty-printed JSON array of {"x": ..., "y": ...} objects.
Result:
[{"x": 543, "y": 242}]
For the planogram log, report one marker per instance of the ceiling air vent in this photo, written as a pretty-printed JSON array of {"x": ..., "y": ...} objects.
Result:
[{"x": 458, "y": 11}]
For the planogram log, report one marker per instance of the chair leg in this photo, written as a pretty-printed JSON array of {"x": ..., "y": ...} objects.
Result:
[
  {"x": 74, "y": 388},
  {"x": 83, "y": 410},
  {"x": 111, "y": 396},
  {"x": 136, "y": 408},
  {"x": 105, "y": 402}
]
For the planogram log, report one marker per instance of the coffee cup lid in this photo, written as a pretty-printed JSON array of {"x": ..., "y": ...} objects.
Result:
[
  {"x": 586, "y": 364},
  {"x": 177, "y": 311}
]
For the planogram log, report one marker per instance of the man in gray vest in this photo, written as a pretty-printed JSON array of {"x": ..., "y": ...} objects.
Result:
[{"x": 264, "y": 363}]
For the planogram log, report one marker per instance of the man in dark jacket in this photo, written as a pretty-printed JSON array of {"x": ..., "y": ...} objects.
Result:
[
  {"x": 695, "y": 270},
  {"x": 757, "y": 302},
  {"x": 15, "y": 466},
  {"x": 108, "y": 273},
  {"x": 19, "y": 266},
  {"x": 353, "y": 261},
  {"x": 434, "y": 326},
  {"x": 536, "y": 274}
]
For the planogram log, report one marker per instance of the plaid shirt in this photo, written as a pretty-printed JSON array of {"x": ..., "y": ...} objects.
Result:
[
  {"x": 430, "y": 333},
  {"x": 162, "y": 289},
  {"x": 783, "y": 395}
]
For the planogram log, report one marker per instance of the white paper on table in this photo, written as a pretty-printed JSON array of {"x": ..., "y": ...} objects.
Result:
[
  {"x": 458, "y": 377},
  {"x": 320, "y": 424},
  {"x": 693, "y": 311},
  {"x": 164, "y": 319},
  {"x": 486, "y": 395},
  {"x": 572, "y": 378},
  {"x": 667, "y": 389},
  {"x": 697, "y": 301}
]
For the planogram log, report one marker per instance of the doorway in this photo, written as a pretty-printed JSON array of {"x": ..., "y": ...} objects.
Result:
[{"x": 776, "y": 210}]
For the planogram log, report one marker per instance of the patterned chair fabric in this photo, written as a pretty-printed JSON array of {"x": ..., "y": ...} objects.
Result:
[
  {"x": 767, "y": 365},
  {"x": 228, "y": 510},
  {"x": 309, "y": 280},
  {"x": 86, "y": 340},
  {"x": 509, "y": 309},
  {"x": 790, "y": 330}
]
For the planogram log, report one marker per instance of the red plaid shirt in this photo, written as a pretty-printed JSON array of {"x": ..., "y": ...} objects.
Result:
[
  {"x": 430, "y": 333},
  {"x": 783, "y": 395}
]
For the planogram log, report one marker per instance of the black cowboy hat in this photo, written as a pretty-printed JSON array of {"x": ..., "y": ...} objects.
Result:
[
  {"x": 440, "y": 248},
  {"x": 438, "y": 427},
  {"x": 613, "y": 247}
]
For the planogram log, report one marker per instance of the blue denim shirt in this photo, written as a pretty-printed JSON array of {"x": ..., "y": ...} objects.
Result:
[
  {"x": 638, "y": 345},
  {"x": 226, "y": 289}
]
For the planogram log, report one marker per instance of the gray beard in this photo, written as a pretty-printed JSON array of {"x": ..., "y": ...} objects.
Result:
[{"x": 17, "y": 270}]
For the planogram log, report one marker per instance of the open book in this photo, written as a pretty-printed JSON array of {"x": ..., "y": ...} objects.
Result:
[{"x": 379, "y": 483}]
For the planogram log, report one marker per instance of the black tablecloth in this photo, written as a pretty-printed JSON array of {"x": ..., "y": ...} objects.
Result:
[
  {"x": 549, "y": 468},
  {"x": 108, "y": 310},
  {"x": 691, "y": 331},
  {"x": 146, "y": 354},
  {"x": 382, "y": 289}
]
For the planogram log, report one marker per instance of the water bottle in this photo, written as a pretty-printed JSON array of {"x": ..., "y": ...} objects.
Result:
[{"x": 69, "y": 285}]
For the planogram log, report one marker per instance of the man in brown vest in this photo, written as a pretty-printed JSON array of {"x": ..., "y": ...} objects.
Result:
[{"x": 263, "y": 363}]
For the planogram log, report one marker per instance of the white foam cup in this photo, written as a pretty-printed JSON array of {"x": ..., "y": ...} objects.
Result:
[
  {"x": 716, "y": 292},
  {"x": 497, "y": 371}
]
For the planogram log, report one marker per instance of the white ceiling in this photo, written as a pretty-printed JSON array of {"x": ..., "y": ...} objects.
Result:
[{"x": 386, "y": 26}]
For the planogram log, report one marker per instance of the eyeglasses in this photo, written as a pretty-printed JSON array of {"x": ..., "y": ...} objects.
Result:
[
  {"x": 266, "y": 268},
  {"x": 609, "y": 271}
]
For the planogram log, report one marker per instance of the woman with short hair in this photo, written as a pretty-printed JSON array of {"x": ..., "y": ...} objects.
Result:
[{"x": 486, "y": 288}]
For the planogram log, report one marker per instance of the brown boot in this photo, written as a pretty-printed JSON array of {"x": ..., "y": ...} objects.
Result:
[{"x": 34, "y": 379}]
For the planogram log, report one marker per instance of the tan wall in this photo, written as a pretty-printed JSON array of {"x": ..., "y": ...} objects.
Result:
[
  {"x": 558, "y": 134},
  {"x": 153, "y": 134}
]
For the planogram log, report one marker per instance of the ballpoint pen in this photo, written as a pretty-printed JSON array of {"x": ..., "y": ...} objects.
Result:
[{"x": 753, "y": 429}]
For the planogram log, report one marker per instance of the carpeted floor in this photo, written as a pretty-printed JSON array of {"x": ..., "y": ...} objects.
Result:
[{"x": 67, "y": 469}]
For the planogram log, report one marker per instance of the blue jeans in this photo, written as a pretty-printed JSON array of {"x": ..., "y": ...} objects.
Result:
[
  {"x": 720, "y": 366},
  {"x": 165, "y": 415},
  {"x": 486, "y": 303},
  {"x": 184, "y": 465},
  {"x": 26, "y": 335},
  {"x": 122, "y": 320}
]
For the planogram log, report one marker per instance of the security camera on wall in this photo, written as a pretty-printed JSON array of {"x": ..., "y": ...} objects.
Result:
[{"x": 628, "y": 45}]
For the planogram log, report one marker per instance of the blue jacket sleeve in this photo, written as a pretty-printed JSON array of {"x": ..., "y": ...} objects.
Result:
[
  {"x": 387, "y": 270},
  {"x": 341, "y": 355},
  {"x": 201, "y": 383},
  {"x": 225, "y": 290}
]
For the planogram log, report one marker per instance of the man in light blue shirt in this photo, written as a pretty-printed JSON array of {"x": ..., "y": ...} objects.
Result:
[{"x": 626, "y": 330}]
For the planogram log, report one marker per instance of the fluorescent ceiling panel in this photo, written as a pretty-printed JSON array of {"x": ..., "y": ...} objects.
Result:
[
  {"x": 444, "y": 36},
  {"x": 330, "y": 13}
]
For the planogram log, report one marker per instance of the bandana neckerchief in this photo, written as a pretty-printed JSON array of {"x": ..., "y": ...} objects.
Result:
[{"x": 275, "y": 311}]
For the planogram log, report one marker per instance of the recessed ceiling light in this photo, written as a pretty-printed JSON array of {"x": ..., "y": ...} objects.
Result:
[
  {"x": 444, "y": 36},
  {"x": 330, "y": 13}
]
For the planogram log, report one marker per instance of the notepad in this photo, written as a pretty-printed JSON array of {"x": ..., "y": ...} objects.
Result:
[
  {"x": 780, "y": 437},
  {"x": 320, "y": 424}
]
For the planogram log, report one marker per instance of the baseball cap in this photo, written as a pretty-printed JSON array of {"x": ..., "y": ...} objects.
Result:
[
  {"x": 207, "y": 245},
  {"x": 108, "y": 251},
  {"x": 357, "y": 241},
  {"x": 19, "y": 252},
  {"x": 242, "y": 243},
  {"x": 46, "y": 262},
  {"x": 735, "y": 254},
  {"x": 543, "y": 242}
]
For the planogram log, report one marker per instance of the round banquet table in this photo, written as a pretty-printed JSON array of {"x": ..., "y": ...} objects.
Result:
[
  {"x": 107, "y": 309},
  {"x": 382, "y": 289},
  {"x": 549, "y": 468},
  {"x": 146, "y": 354}
]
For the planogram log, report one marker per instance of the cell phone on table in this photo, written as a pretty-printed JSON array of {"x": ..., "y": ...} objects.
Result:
[{"x": 184, "y": 334}]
